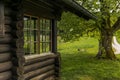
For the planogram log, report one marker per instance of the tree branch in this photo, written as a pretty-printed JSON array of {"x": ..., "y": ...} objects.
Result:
[
  {"x": 117, "y": 6},
  {"x": 116, "y": 26}
]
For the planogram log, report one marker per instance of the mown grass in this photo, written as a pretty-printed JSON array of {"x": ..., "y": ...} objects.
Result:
[{"x": 79, "y": 62}]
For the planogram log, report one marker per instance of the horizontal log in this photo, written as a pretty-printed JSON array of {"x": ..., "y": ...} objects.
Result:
[
  {"x": 38, "y": 65},
  {"x": 8, "y": 20},
  {"x": 5, "y": 66},
  {"x": 4, "y": 48},
  {"x": 38, "y": 57},
  {"x": 7, "y": 28},
  {"x": 43, "y": 76},
  {"x": 19, "y": 43},
  {"x": 6, "y": 75},
  {"x": 6, "y": 39},
  {"x": 5, "y": 57},
  {"x": 52, "y": 77},
  {"x": 34, "y": 73},
  {"x": 7, "y": 11},
  {"x": 18, "y": 52},
  {"x": 18, "y": 33},
  {"x": 18, "y": 25}
]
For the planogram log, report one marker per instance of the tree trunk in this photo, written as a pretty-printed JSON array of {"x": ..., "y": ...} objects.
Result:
[
  {"x": 105, "y": 45},
  {"x": 106, "y": 32}
]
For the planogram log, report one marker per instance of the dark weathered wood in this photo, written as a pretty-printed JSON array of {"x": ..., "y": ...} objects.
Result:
[
  {"x": 5, "y": 57},
  {"x": 37, "y": 72},
  {"x": 38, "y": 65},
  {"x": 19, "y": 43},
  {"x": 8, "y": 20},
  {"x": 6, "y": 39},
  {"x": 43, "y": 76},
  {"x": 16, "y": 33},
  {"x": 7, "y": 11},
  {"x": 37, "y": 8},
  {"x": 1, "y": 18},
  {"x": 6, "y": 75},
  {"x": 38, "y": 57},
  {"x": 77, "y": 9},
  {"x": 4, "y": 48},
  {"x": 5, "y": 66},
  {"x": 54, "y": 36},
  {"x": 17, "y": 26},
  {"x": 18, "y": 53},
  {"x": 57, "y": 66},
  {"x": 52, "y": 77},
  {"x": 7, "y": 28}
]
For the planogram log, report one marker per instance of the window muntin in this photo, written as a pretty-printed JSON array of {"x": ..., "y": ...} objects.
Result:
[
  {"x": 30, "y": 35},
  {"x": 45, "y": 35},
  {"x": 37, "y": 35}
]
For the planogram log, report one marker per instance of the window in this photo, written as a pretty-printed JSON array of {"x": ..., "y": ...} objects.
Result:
[{"x": 37, "y": 35}]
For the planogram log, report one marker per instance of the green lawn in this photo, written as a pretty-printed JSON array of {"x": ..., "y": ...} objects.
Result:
[{"x": 78, "y": 62}]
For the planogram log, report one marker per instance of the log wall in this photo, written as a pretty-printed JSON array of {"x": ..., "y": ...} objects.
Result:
[
  {"x": 13, "y": 64},
  {"x": 5, "y": 48},
  {"x": 39, "y": 67},
  {"x": 11, "y": 44}
]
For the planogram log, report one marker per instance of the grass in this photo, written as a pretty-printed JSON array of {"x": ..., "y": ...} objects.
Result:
[{"x": 78, "y": 62}]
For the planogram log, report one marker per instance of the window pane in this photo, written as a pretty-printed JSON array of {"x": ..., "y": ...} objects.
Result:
[
  {"x": 34, "y": 42},
  {"x": 30, "y": 35},
  {"x": 45, "y": 34}
]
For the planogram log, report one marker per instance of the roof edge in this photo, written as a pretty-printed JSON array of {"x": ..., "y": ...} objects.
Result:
[{"x": 77, "y": 9}]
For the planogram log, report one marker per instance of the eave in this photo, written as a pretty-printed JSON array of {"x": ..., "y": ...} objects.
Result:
[{"x": 74, "y": 7}]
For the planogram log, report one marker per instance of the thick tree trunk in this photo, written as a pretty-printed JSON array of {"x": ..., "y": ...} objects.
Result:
[
  {"x": 106, "y": 30},
  {"x": 105, "y": 45}
]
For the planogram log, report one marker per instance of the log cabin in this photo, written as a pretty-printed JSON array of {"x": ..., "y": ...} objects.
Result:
[{"x": 28, "y": 37}]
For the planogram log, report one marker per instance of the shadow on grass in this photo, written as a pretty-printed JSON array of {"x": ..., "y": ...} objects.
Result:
[{"x": 83, "y": 66}]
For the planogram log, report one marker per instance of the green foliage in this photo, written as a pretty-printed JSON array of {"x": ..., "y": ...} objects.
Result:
[
  {"x": 72, "y": 27},
  {"x": 80, "y": 65}
]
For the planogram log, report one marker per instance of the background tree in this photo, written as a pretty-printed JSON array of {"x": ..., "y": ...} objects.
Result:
[
  {"x": 72, "y": 27},
  {"x": 108, "y": 23}
]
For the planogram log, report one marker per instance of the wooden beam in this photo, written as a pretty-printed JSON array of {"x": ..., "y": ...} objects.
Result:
[
  {"x": 8, "y": 28},
  {"x": 77, "y": 9},
  {"x": 54, "y": 35},
  {"x": 52, "y": 77},
  {"x": 35, "y": 8},
  {"x": 8, "y": 20},
  {"x": 6, "y": 39},
  {"x": 37, "y": 72},
  {"x": 38, "y": 57},
  {"x": 38, "y": 65},
  {"x": 6, "y": 75},
  {"x": 4, "y": 48},
  {"x": 43, "y": 76},
  {"x": 5, "y": 66},
  {"x": 5, "y": 57},
  {"x": 57, "y": 66}
]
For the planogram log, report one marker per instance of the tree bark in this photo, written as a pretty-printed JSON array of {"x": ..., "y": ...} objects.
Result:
[
  {"x": 106, "y": 33},
  {"x": 105, "y": 45}
]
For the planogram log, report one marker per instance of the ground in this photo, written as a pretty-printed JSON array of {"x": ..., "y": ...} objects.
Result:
[{"x": 79, "y": 62}]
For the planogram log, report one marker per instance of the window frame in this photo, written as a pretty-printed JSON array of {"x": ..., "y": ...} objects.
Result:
[{"x": 38, "y": 28}]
